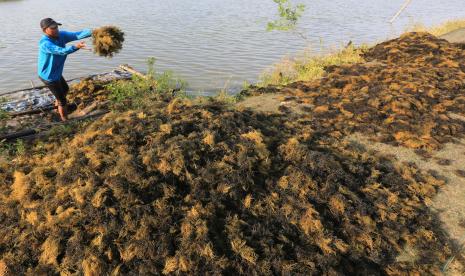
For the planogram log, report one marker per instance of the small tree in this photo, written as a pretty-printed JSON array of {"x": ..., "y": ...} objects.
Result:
[{"x": 289, "y": 14}]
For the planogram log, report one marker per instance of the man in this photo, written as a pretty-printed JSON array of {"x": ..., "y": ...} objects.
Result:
[{"x": 52, "y": 57}]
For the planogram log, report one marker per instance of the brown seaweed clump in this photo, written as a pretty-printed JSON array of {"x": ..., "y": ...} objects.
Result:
[
  {"x": 107, "y": 40},
  {"x": 178, "y": 188},
  {"x": 87, "y": 92}
]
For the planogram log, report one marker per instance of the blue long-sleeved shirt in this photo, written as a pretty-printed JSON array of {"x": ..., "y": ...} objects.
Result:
[{"x": 53, "y": 52}]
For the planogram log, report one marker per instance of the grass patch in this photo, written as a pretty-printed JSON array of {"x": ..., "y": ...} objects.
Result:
[
  {"x": 135, "y": 93},
  {"x": 63, "y": 130},
  {"x": 438, "y": 30},
  {"x": 3, "y": 115},
  {"x": 308, "y": 67},
  {"x": 224, "y": 96},
  {"x": 124, "y": 91},
  {"x": 11, "y": 150}
]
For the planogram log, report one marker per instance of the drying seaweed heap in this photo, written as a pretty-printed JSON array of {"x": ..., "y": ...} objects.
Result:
[
  {"x": 88, "y": 92},
  {"x": 206, "y": 189},
  {"x": 407, "y": 94},
  {"x": 107, "y": 40}
]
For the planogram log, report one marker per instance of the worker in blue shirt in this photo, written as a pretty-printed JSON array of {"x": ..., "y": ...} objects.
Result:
[{"x": 52, "y": 57}]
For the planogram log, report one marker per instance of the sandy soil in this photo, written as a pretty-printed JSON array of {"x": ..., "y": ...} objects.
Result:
[{"x": 457, "y": 36}]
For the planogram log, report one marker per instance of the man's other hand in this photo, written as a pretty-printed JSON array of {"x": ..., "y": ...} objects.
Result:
[{"x": 81, "y": 45}]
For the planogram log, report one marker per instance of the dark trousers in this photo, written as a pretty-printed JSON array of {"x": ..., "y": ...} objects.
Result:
[{"x": 59, "y": 89}]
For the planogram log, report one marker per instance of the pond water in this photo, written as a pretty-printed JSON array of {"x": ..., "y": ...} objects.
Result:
[{"x": 209, "y": 43}]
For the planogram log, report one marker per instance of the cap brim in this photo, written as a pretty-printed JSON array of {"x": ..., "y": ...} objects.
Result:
[{"x": 54, "y": 25}]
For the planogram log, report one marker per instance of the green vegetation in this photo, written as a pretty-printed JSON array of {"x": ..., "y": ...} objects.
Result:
[
  {"x": 20, "y": 147},
  {"x": 9, "y": 150},
  {"x": 440, "y": 29},
  {"x": 289, "y": 15},
  {"x": 63, "y": 129},
  {"x": 124, "y": 91},
  {"x": 308, "y": 67},
  {"x": 134, "y": 93},
  {"x": 3, "y": 114},
  {"x": 224, "y": 97}
]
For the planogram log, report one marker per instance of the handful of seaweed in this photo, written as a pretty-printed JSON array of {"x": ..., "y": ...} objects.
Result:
[{"x": 107, "y": 40}]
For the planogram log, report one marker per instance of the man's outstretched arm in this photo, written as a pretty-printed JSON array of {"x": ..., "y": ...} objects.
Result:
[
  {"x": 51, "y": 48},
  {"x": 72, "y": 36}
]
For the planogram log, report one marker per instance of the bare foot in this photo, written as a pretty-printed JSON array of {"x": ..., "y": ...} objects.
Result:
[{"x": 62, "y": 110}]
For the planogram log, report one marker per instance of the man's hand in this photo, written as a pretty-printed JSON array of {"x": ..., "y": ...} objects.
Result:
[{"x": 81, "y": 45}]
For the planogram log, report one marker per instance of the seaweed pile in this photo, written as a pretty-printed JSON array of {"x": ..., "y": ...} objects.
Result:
[
  {"x": 206, "y": 189},
  {"x": 107, "y": 40},
  {"x": 87, "y": 92},
  {"x": 402, "y": 95}
]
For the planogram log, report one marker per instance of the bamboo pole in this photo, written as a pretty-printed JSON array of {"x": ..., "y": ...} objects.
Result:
[
  {"x": 131, "y": 70},
  {"x": 404, "y": 6}
]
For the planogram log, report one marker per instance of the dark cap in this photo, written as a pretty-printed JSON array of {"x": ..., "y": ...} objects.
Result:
[{"x": 47, "y": 22}]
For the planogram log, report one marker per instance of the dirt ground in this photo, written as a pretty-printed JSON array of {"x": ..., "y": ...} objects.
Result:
[{"x": 457, "y": 36}]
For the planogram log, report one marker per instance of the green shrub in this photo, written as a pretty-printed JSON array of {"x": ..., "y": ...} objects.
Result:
[
  {"x": 288, "y": 16},
  {"x": 136, "y": 92}
]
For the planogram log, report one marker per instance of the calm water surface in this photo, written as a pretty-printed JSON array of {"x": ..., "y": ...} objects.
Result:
[{"x": 209, "y": 43}]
